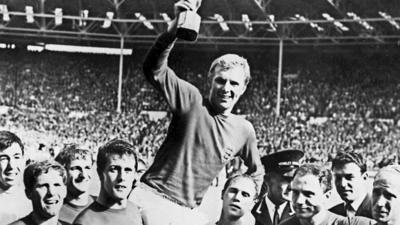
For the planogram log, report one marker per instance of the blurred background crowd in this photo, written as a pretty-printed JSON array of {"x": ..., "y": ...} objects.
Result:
[{"x": 329, "y": 102}]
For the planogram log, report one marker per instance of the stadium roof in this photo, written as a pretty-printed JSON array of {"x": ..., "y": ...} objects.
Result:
[{"x": 224, "y": 22}]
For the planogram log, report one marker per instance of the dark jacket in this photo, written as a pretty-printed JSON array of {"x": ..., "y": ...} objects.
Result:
[
  {"x": 334, "y": 219},
  {"x": 261, "y": 214},
  {"x": 365, "y": 209}
]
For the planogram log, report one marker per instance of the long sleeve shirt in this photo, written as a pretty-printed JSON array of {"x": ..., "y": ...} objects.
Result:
[{"x": 199, "y": 141}]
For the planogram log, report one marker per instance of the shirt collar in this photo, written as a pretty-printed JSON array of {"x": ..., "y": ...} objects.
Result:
[
  {"x": 271, "y": 207},
  {"x": 11, "y": 190},
  {"x": 357, "y": 203}
]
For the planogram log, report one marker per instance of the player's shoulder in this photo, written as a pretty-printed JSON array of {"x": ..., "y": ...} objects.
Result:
[
  {"x": 88, "y": 214},
  {"x": 242, "y": 120},
  {"x": 292, "y": 220},
  {"x": 360, "y": 220},
  {"x": 247, "y": 126},
  {"x": 23, "y": 221},
  {"x": 18, "y": 222},
  {"x": 338, "y": 208},
  {"x": 131, "y": 206}
]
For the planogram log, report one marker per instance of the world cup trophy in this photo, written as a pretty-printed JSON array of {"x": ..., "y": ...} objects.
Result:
[{"x": 188, "y": 24}]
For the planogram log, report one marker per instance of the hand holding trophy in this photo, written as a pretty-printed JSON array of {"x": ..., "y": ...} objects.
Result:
[{"x": 188, "y": 21}]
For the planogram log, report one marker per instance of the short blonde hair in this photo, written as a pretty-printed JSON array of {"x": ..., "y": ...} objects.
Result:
[
  {"x": 239, "y": 176},
  {"x": 229, "y": 61},
  {"x": 393, "y": 170}
]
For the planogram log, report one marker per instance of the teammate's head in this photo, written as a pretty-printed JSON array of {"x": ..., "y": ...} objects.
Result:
[
  {"x": 117, "y": 168},
  {"x": 78, "y": 163},
  {"x": 12, "y": 161},
  {"x": 238, "y": 196},
  {"x": 229, "y": 75},
  {"x": 309, "y": 185},
  {"x": 386, "y": 196},
  {"x": 45, "y": 185},
  {"x": 279, "y": 170},
  {"x": 349, "y": 169}
]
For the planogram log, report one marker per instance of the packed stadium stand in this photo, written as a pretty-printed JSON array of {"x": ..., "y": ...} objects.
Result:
[
  {"x": 340, "y": 74},
  {"x": 330, "y": 104}
]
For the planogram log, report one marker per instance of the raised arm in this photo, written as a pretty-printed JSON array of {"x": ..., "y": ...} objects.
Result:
[
  {"x": 178, "y": 93},
  {"x": 156, "y": 60},
  {"x": 155, "y": 63}
]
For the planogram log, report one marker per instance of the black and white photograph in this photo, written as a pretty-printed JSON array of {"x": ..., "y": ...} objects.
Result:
[{"x": 199, "y": 112}]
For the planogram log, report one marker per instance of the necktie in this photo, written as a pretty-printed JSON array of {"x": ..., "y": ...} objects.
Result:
[
  {"x": 350, "y": 212},
  {"x": 276, "y": 215}
]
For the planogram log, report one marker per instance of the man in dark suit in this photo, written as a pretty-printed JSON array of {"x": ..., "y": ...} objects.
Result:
[
  {"x": 350, "y": 172},
  {"x": 274, "y": 206},
  {"x": 309, "y": 186}
]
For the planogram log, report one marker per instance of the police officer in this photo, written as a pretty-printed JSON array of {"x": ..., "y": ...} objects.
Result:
[{"x": 274, "y": 206}]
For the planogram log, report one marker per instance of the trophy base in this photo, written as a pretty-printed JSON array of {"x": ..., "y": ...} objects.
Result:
[
  {"x": 188, "y": 25},
  {"x": 186, "y": 34}
]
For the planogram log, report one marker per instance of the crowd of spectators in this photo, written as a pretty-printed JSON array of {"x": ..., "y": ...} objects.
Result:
[{"x": 326, "y": 105}]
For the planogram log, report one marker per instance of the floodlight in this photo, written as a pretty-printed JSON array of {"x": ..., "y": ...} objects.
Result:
[
  {"x": 87, "y": 49},
  {"x": 58, "y": 16},
  {"x": 4, "y": 45},
  {"x": 4, "y": 11},
  {"x": 336, "y": 23},
  {"x": 166, "y": 18},
  {"x": 221, "y": 22},
  {"x": 35, "y": 48},
  {"x": 247, "y": 23},
  {"x": 144, "y": 21},
  {"x": 108, "y": 20},
  {"x": 363, "y": 23},
  {"x": 29, "y": 14},
  {"x": 312, "y": 24},
  {"x": 84, "y": 15},
  {"x": 271, "y": 19},
  {"x": 390, "y": 19}
]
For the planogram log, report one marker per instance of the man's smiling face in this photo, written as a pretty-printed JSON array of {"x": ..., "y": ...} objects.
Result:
[{"x": 226, "y": 88}]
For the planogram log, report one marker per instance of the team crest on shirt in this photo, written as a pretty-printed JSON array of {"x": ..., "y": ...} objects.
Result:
[{"x": 228, "y": 154}]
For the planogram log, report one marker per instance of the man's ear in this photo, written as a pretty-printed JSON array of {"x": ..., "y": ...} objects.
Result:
[
  {"x": 328, "y": 194},
  {"x": 255, "y": 201},
  {"x": 365, "y": 175}
]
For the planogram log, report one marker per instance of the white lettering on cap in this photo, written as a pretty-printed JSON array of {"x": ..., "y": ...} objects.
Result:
[{"x": 289, "y": 163}]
